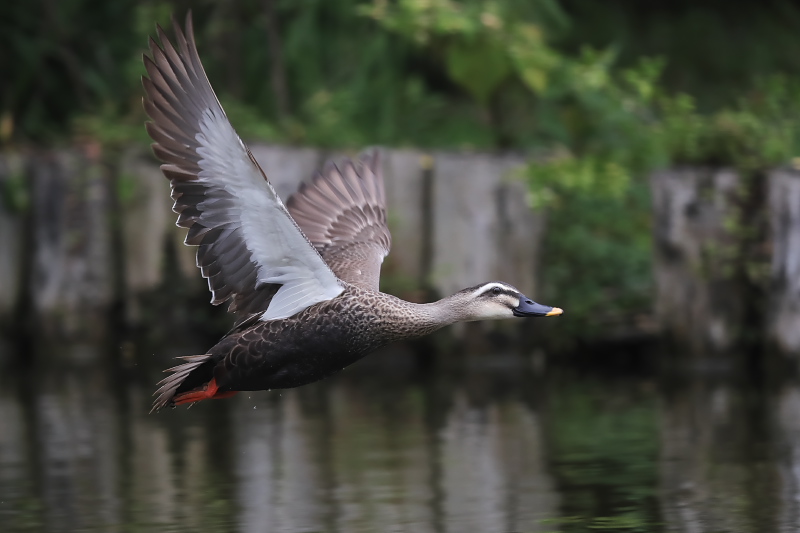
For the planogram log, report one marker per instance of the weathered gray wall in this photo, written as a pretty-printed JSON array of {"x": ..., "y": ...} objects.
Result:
[
  {"x": 76, "y": 237},
  {"x": 57, "y": 246},
  {"x": 457, "y": 220},
  {"x": 784, "y": 206},
  {"x": 695, "y": 299},
  {"x": 699, "y": 301},
  {"x": 407, "y": 178},
  {"x": 482, "y": 228}
]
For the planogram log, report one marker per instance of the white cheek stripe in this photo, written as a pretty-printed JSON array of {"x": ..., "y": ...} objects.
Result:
[{"x": 488, "y": 287}]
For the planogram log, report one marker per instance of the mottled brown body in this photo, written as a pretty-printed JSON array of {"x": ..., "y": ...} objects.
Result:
[{"x": 313, "y": 344}]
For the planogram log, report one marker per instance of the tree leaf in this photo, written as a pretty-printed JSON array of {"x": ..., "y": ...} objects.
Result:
[{"x": 479, "y": 66}]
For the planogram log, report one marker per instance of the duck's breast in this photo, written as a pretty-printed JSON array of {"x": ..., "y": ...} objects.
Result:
[{"x": 307, "y": 347}]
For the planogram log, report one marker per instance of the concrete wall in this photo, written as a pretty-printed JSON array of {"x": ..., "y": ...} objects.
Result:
[
  {"x": 55, "y": 226},
  {"x": 79, "y": 239},
  {"x": 698, "y": 232},
  {"x": 784, "y": 210},
  {"x": 695, "y": 297},
  {"x": 457, "y": 220}
]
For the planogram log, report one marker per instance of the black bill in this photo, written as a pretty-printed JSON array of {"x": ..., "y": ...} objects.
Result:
[{"x": 528, "y": 307}]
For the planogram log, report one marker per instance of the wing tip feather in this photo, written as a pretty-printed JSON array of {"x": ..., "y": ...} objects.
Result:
[{"x": 174, "y": 68}]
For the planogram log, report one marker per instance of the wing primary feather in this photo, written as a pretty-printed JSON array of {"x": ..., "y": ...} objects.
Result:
[
  {"x": 244, "y": 232},
  {"x": 342, "y": 211}
]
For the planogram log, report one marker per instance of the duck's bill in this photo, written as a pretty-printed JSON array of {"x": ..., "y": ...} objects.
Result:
[{"x": 528, "y": 307}]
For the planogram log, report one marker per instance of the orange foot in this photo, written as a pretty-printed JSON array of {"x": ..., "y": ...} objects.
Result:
[{"x": 209, "y": 391}]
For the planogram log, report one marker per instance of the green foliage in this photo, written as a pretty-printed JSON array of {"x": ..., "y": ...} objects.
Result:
[
  {"x": 597, "y": 261},
  {"x": 61, "y": 58},
  {"x": 126, "y": 188},
  {"x": 249, "y": 122},
  {"x": 110, "y": 127},
  {"x": 597, "y": 253},
  {"x": 758, "y": 133},
  {"x": 14, "y": 194},
  {"x": 602, "y": 131},
  {"x": 478, "y": 66},
  {"x": 446, "y": 73},
  {"x": 713, "y": 53},
  {"x": 481, "y": 43}
]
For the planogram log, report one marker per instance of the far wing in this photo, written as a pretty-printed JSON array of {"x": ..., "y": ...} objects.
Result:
[
  {"x": 343, "y": 213},
  {"x": 250, "y": 249}
]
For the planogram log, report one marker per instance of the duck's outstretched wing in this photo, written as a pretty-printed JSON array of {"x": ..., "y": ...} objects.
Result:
[
  {"x": 343, "y": 213},
  {"x": 250, "y": 248}
]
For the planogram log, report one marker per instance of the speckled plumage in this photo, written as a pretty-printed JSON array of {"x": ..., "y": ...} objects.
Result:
[{"x": 309, "y": 346}]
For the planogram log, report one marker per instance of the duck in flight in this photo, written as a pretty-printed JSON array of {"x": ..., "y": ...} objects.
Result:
[{"x": 302, "y": 276}]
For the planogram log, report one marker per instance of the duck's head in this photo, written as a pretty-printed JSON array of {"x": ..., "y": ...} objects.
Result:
[{"x": 495, "y": 300}]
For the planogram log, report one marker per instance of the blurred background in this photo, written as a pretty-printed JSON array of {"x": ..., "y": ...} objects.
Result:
[{"x": 634, "y": 163}]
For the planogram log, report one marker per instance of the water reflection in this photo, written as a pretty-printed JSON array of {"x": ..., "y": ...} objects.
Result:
[
  {"x": 494, "y": 449},
  {"x": 787, "y": 410},
  {"x": 721, "y": 454}
]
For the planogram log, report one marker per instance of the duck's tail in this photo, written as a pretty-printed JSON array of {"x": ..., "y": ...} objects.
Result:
[{"x": 188, "y": 383}]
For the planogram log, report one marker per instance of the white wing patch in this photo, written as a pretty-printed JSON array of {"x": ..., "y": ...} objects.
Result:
[
  {"x": 296, "y": 294},
  {"x": 280, "y": 250}
]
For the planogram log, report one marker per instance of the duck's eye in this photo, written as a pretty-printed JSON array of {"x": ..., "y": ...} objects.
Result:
[{"x": 497, "y": 290}]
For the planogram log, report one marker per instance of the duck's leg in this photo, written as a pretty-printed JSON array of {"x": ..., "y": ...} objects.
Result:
[{"x": 209, "y": 391}]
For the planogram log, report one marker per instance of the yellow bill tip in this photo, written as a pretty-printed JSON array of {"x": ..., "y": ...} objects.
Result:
[{"x": 555, "y": 312}]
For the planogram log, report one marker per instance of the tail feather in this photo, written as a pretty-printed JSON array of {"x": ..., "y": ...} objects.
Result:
[{"x": 168, "y": 387}]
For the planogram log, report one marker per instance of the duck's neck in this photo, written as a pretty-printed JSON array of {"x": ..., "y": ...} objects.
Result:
[
  {"x": 417, "y": 320},
  {"x": 444, "y": 312}
]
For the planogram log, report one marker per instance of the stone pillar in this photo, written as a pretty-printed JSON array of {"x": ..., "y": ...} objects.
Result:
[
  {"x": 784, "y": 309},
  {"x": 700, "y": 233},
  {"x": 147, "y": 223},
  {"x": 696, "y": 299},
  {"x": 482, "y": 228},
  {"x": 72, "y": 278},
  {"x": 408, "y": 181}
]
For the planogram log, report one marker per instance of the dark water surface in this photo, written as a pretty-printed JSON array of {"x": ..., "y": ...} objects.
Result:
[{"x": 484, "y": 447}]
